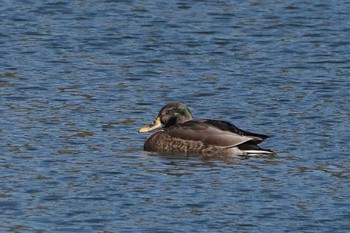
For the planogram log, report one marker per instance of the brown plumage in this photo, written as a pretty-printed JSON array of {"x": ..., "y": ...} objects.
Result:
[{"x": 180, "y": 134}]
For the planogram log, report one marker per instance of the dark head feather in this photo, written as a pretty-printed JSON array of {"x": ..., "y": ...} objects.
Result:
[{"x": 174, "y": 113}]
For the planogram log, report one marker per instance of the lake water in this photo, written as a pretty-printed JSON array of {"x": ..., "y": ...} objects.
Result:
[{"x": 79, "y": 78}]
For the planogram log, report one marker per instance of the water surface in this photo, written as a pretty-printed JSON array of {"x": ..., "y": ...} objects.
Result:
[{"x": 79, "y": 78}]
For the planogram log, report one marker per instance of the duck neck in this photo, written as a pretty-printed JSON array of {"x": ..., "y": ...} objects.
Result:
[
  {"x": 183, "y": 118},
  {"x": 177, "y": 119}
]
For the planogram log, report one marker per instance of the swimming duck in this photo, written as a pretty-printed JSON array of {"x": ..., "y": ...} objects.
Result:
[{"x": 181, "y": 134}]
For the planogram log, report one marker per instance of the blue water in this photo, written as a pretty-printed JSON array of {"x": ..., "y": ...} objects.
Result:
[{"x": 79, "y": 78}]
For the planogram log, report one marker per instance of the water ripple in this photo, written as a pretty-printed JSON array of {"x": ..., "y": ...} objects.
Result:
[{"x": 78, "y": 79}]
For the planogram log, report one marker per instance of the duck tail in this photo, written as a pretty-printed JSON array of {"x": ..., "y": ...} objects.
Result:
[{"x": 258, "y": 152}]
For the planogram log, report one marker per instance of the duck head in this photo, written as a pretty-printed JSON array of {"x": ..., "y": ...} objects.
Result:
[{"x": 170, "y": 114}]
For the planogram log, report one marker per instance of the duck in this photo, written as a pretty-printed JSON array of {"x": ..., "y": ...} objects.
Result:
[{"x": 176, "y": 132}]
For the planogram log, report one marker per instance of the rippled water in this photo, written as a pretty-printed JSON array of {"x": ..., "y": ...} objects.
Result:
[{"x": 79, "y": 78}]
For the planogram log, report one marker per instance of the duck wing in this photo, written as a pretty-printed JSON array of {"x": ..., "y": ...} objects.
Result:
[
  {"x": 226, "y": 126},
  {"x": 212, "y": 132}
]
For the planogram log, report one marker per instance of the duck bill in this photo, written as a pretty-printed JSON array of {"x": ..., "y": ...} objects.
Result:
[{"x": 155, "y": 125}]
